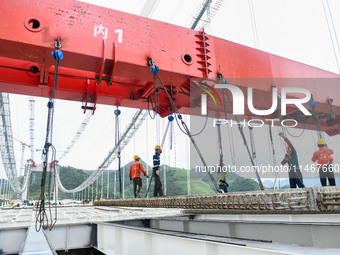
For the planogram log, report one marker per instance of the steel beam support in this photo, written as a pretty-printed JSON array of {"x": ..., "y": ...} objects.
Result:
[
  {"x": 109, "y": 47},
  {"x": 17, "y": 237},
  {"x": 68, "y": 237},
  {"x": 120, "y": 239},
  {"x": 314, "y": 234}
]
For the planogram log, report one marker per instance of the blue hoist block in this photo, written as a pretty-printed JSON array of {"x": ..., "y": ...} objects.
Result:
[
  {"x": 57, "y": 54},
  {"x": 154, "y": 69},
  {"x": 312, "y": 104},
  {"x": 170, "y": 118},
  {"x": 117, "y": 112}
]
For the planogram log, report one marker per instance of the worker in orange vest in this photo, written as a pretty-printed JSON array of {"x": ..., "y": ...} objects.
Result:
[
  {"x": 324, "y": 160},
  {"x": 134, "y": 174}
]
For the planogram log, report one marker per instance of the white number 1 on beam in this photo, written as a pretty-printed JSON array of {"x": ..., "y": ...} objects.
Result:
[{"x": 120, "y": 35}]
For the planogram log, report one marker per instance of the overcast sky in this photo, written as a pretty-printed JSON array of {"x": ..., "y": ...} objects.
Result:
[{"x": 289, "y": 28}]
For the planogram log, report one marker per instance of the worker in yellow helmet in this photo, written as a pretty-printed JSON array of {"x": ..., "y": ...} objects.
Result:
[
  {"x": 324, "y": 161},
  {"x": 134, "y": 174},
  {"x": 158, "y": 191}
]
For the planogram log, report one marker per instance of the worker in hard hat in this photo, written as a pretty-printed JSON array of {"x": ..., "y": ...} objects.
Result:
[
  {"x": 222, "y": 179},
  {"x": 324, "y": 161},
  {"x": 291, "y": 158},
  {"x": 158, "y": 191},
  {"x": 135, "y": 175}
]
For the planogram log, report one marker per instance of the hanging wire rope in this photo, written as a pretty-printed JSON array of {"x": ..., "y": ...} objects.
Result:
[
  {"x": 315, "y": 114},
  {"x": 175, "y": 151},
  {"x": 219, "y": 144},
  {"x": 229, "y": 131},
  {"x": 42, "y": 219},
  {"x": 147, "y": 152},
  {"x": 276, "y": 174},
  {"x": 117, "y": 138},
  {"x": 155, "y": 71},
  {"x": 299, "y": 135},
  {"x": 315, "y": 140},
  {"x": 223, "y": 81},
  {"x": 153, "y": 108},
  {"x": 252, "y": 142},
  {"x": 157, "y": 117}
]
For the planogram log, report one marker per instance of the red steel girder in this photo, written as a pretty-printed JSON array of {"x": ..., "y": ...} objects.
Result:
[{"x": 100, "y": 42}]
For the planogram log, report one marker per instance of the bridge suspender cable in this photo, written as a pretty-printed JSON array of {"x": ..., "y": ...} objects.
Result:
[{"x": 229, "y": 131}]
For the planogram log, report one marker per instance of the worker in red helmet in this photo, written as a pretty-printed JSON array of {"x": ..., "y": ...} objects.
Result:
[
  {"x": 291, "y": 158},
  {"x": 134, "y": 174},
  {"x": 324, "y": 161}
]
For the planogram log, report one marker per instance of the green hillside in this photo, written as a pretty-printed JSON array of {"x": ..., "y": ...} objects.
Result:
[{"x": 176, "y": 180}]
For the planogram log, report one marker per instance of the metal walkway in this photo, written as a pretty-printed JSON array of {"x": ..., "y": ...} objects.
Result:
[{"x": 36, "y": 243}]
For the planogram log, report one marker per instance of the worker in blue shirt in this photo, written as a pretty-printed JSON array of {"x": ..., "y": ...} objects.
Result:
[{"x": 156, "y": 172}]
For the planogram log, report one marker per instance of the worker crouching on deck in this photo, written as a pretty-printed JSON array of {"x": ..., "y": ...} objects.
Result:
[
  {"x": 324, "y": 161},
  {"x": 222, "y": 179},
  {"x": 291, "y": 158},
  {"x": 158, "y": 191},
  {"x": 134, "y": 174}
]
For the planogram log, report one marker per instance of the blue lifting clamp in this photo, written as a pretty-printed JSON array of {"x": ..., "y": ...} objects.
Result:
[{"x": 170, "y": 118}]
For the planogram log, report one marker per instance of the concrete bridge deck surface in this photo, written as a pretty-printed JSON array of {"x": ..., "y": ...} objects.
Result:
[{"x": 272, "y": 233}]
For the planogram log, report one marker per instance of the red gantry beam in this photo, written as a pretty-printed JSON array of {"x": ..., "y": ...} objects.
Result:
[{"x": 103, "y": 43}]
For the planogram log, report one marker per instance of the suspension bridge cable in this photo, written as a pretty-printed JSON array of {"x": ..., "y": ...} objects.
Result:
[
  {"x": 330, "y": 35},
  {"x": 125, "y": 138},
  {"x": 77, "y": 135},
  {"x": 334, "y": 29},
  {"x": 253, "y": 23}
]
